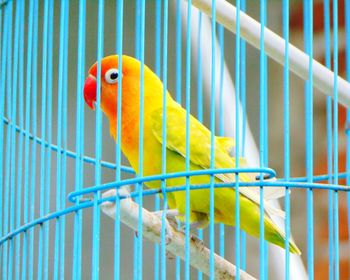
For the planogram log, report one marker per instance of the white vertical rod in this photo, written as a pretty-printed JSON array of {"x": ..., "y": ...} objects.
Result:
[{"x": 251, "y": 151}]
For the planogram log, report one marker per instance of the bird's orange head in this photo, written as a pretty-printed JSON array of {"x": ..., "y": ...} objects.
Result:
[
  {"x": 128, "y": 75},
  {"x": 109, "y": 81}
]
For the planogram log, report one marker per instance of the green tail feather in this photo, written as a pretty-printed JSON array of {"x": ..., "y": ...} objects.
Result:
[
  {"x": 250, "y": 221},
  {"x": 274, "y": 235}
]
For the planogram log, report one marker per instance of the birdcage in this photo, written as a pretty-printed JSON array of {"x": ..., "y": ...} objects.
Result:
[{"x": 257, "y": 115}]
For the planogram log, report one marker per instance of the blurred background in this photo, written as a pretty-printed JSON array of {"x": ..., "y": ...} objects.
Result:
[{"x": 73, "y": 92}]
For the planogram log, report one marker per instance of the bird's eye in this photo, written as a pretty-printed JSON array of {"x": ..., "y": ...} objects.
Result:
[{"x": 111, "y": 76}]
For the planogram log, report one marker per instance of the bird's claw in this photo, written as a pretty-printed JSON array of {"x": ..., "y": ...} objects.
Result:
[
  {"x": 170, "y": 220},
  {"x": 168, "y": 232},
  {"x": 170, "y": 215},
  {"x": 170, "y": 256},
  {"x": 196, "y": 239}
]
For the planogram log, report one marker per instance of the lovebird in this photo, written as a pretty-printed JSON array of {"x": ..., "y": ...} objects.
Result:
[{"x": 199, "y": 142}]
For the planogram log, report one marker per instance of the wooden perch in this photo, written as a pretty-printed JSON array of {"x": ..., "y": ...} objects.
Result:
[{"x": 152, "y": 225}]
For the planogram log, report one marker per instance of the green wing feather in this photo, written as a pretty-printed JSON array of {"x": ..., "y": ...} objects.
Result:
[
  {"x": 199, "y": 140},
  {"x": 200, "y": 148}
]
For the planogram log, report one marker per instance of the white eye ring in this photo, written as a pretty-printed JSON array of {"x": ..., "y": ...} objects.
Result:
[{"x": 111, "y": 76}]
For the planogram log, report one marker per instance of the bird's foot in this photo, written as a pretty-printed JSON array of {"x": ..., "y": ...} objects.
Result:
[
  {"x": 193, "y": 237},
  {"x": 196, "y": 225},
  {"x": 202, "y": 221},
  {"x": 170, "y": 221},
  {"x": 170, "y": 256},
  {"x": 196, "y": 239},
  {"x": 170, "y": 215}
]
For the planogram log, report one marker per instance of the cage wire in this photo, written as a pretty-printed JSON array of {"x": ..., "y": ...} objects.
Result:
[{"x": 63, "y": 177}]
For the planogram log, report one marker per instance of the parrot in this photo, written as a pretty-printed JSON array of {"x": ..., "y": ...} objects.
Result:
[{"x": 199, "y": 146}]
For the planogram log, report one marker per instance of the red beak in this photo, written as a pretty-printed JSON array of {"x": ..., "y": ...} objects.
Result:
[{"x": 90, "y": 88}]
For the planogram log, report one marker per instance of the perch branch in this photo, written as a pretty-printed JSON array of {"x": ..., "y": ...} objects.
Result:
[
  {"x": 152, "y": 225},
  {"x": 275, "y": 48}
]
